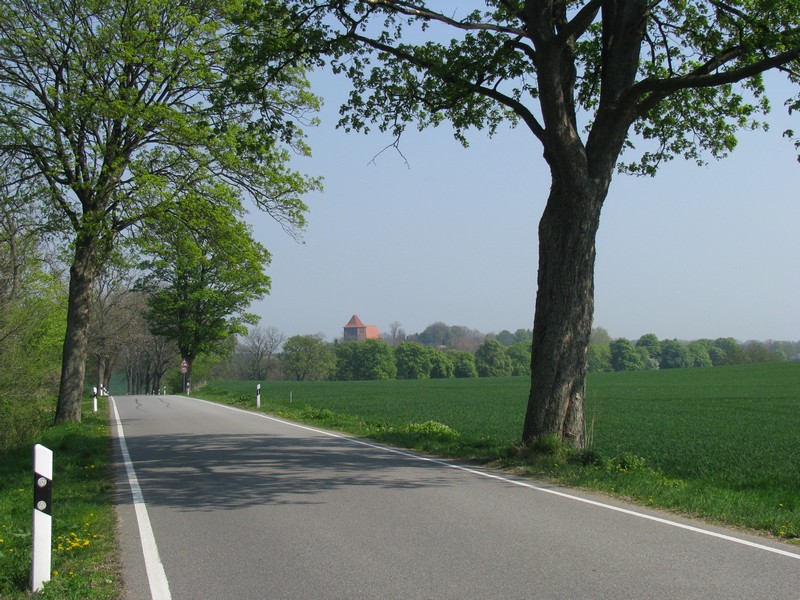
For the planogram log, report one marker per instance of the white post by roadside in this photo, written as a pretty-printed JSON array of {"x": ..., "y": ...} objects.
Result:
[
  {"x": 94, "y": 398},
  {"x": 42, "y": 516},
  {"x": 258, "y": 395}
]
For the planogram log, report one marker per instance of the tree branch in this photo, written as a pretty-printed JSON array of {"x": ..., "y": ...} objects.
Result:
[
  {"x": 581, "y": 21},
  {"x": 704, "y": 77},
  {"x": 411, "y": 9},
  {"x": 517, "y": 107}
]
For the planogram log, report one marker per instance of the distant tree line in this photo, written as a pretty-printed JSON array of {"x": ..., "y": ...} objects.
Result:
[
  {"x": 310, "y": 358},
  {"x": 437, "y": 353},
  {"x": 648, "y": 352}
]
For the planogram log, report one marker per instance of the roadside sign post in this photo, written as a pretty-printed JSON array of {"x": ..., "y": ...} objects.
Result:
[
  {"x": 42, "y": 516},
  {"x": 184, "y": 371},
  {"x": 258, "y": 396},
  {"x": 94, "y": 398}
]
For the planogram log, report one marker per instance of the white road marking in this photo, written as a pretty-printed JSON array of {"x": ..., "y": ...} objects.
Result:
[
  {"x": 523, "y": 484},
  {"x": 156, "y": 576}
]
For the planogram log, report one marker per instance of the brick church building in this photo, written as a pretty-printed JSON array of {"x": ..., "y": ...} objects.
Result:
[{"x": 356, "y": 331}]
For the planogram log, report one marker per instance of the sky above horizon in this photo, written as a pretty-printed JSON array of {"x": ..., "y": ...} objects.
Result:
[{"x": 695, "y": 252}]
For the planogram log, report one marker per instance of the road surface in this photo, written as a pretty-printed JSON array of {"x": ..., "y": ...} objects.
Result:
[{"x": 219, "y": 503}]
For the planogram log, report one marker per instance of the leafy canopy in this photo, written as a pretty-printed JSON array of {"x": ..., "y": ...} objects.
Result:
[
  {"x": 682, "y": 75},
  {"x": 204, "y": 270},
  {"x": 120, "y": 105}
]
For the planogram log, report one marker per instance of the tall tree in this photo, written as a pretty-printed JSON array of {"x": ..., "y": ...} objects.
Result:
[
  {"x": 373, "y": 359},
  {"x": 491, "y": 360},
  {"x": 413, "y": 361},
  {"x": 204, "y": 270},
  {"x": 117, "y": 105},
  {"x": 308, "y": 358},
  {"x": 674, "y": 355},
  {"x": 583, "y": 77},
  {"x": 624, "y": 357},
  {"x": 651, "y": 345},
  {"x": 261, "y": 345},
  {"x": 463, "y": 363}
]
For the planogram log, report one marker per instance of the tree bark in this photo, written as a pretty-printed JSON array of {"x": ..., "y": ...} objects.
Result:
[
  {"x": 564, "y": 310},
  {"x": 76, "y": 339},
  {"x": 581, "y": 176}
]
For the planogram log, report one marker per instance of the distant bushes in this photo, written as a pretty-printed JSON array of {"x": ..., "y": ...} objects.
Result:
[{"x": 648, "y": 352}]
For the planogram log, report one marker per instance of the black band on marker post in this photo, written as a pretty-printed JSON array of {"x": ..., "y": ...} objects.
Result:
[{"x": 42, "y": 494}]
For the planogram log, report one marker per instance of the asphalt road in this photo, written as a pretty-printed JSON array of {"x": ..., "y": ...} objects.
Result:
[{"x": 241, "y": 505}]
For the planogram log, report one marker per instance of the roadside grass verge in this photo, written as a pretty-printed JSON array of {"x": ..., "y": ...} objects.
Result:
[
  {"x": 722, "y": 444},
  {"x": 85, "y": 557}
]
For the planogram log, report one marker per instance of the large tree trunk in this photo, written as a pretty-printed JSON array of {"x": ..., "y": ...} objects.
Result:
[
  {"x": 76, "y": 340},
  {"x": 564, "y": 311}
]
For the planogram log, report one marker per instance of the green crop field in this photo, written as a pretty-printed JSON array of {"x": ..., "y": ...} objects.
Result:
[{"x": 722, "y": 443}]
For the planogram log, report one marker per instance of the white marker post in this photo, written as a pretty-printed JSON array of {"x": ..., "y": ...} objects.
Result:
[
  {"x": 42, "y": 516},
  {"x": 258, "y": 396},
  {"x": 94, "y": 398}
]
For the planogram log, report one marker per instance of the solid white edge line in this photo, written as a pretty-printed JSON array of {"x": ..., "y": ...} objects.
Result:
[
  {"x": 524, "y": 484},
  {"x": 156, "y": 576}
]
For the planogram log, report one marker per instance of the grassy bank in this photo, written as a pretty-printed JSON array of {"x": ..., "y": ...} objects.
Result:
[
  {"x": 720, "y": 443},
  {"x": 85, "y": 553}
]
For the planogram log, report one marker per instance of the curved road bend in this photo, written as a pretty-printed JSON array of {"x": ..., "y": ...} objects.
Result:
[{"x": 241, "y": 505}]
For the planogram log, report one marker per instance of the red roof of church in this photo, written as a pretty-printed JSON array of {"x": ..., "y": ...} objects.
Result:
[{"x": 355, "y": 322}]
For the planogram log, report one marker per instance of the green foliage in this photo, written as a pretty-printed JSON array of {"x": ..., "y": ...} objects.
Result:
[
  {"x": 442, "y": 364},
  {"x": 689, "y": 88},
  {"x": 505, "y": 337},
  {"x": 599, "y": 358},
  {"x": 650, "y": 343},
  {"x": 437, "y": 335},
  {"x": 624, "y": 356},
  {"x": 413, "y": 361},
  {"x": 204, "y": 270},
  {"x": 756, "y": 352},
  {"x": 520, "y": 355},
  {"x": 346, "y": 361},
  {"x": 491, "y": 360},
  {"x": 698, "y": 355},
  {"x": 729, "y": 352},
  {"x": 376, "y": 361},
  {"x": 463, "y": 363},
  {"x": 32, "y": 318},
  {"x": 674, "y": 355},
  {"x": 433, "y": 427},
  {"x": 358, "y": 361},
  {"x": 117, "y": 110},
  {"x": 308, "y": 358}
]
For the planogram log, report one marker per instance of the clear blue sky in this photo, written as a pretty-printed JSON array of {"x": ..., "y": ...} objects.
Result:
[{"x": 695, "y": 252}]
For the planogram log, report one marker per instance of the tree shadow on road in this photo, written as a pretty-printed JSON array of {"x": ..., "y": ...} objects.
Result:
[{"x": 213, "y": 472}]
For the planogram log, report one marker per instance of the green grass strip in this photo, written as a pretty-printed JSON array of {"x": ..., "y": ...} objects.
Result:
[{"x": 85, "y": 555}]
